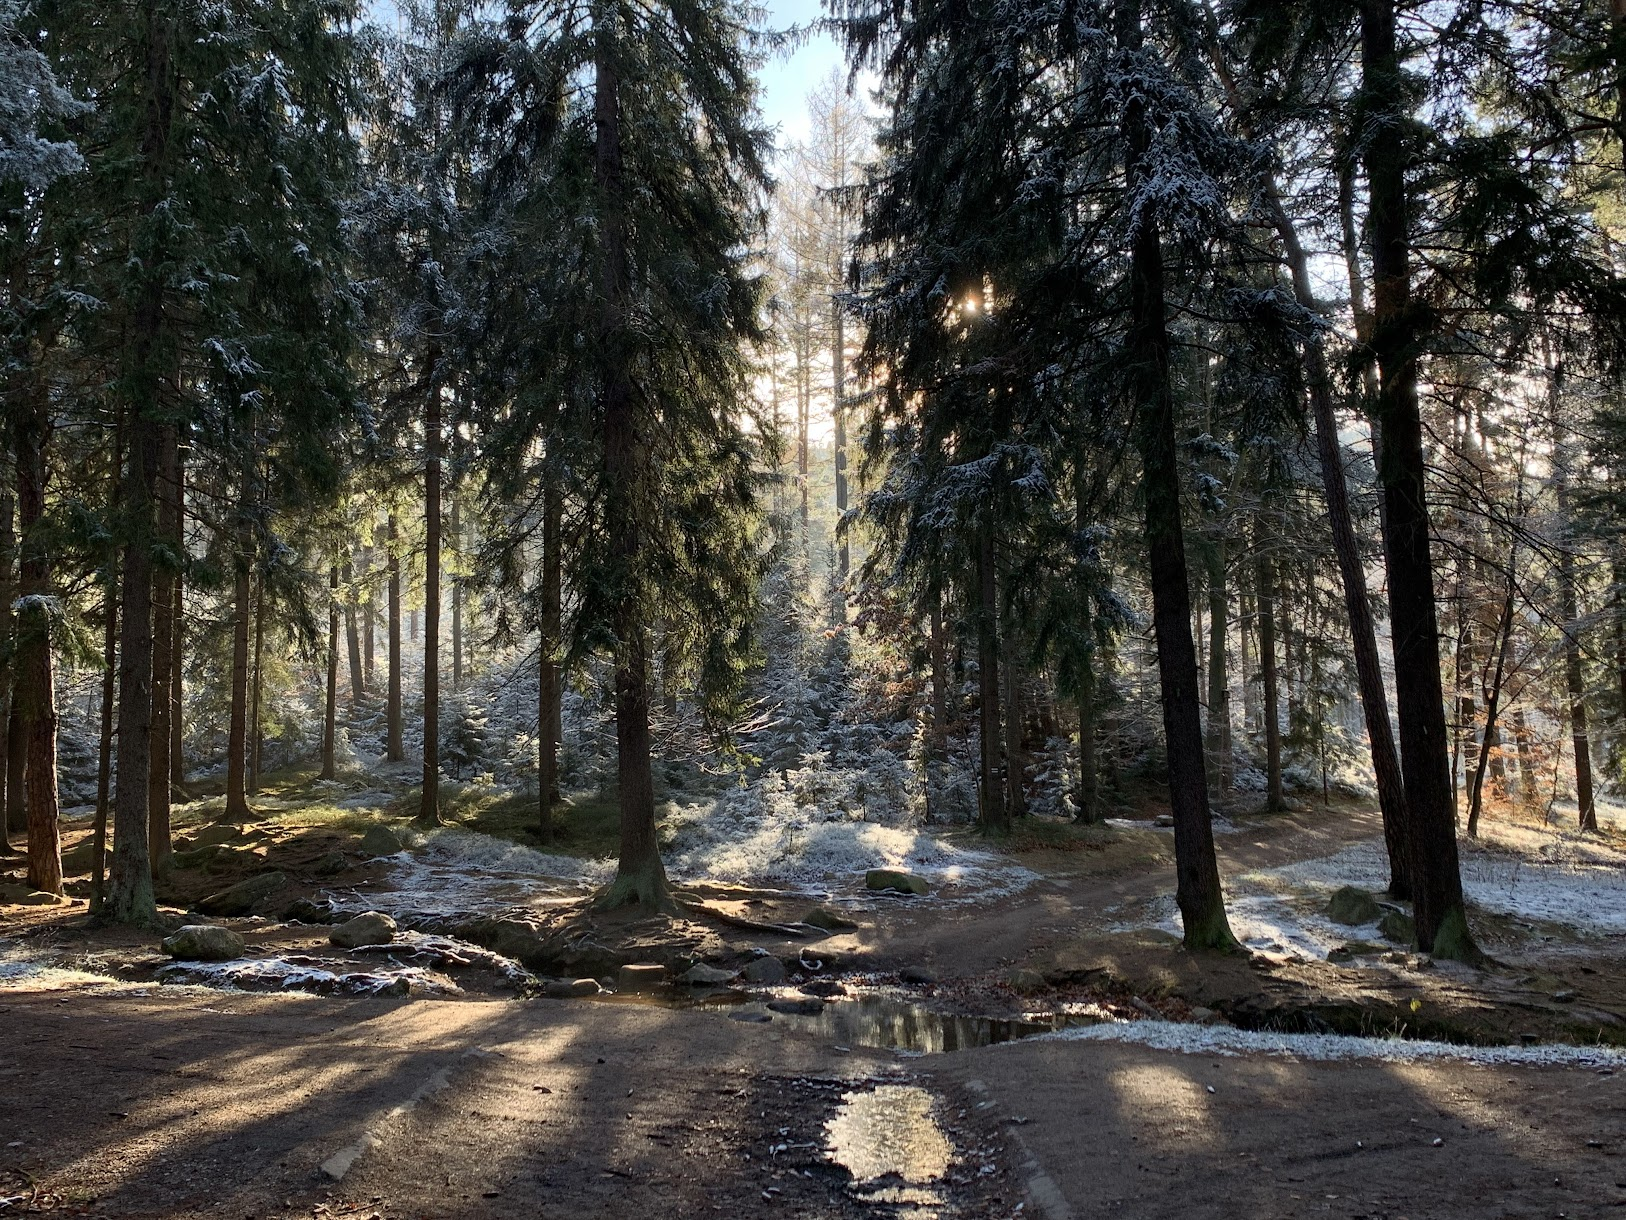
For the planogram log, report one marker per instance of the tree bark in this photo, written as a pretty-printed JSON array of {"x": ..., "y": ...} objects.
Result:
[
  {"x": 237, "y": 747},
  {"x": 13, "y": 796},
  {"x": 994, "y": 813},
  {"x": 429, "y": 799},
  {"x": 1493, "y": 698},
  {"x": 163, "y": 648},
  {"x": 369, "y": 617},
  {"x": 34, "y": 696},
  {"x": 1218, "y": 742},
  {"x": 1016, "y": 799},
  {"x": 939, "y": 658},
  {"x": 358, "y": 680},
  {"x": 394, "y": 747},
  {"x": 549, "y": 711},
  {"x": 1270, "y": 717},
  {"x": 330, "y": 717},
  {"x": 1197, "y": 891},
  {"x": 838, "y": 419},
  {"x": 1574, "y": 676},
  {"x": 1441, "y": 920},
  {"x": 177, "y": 650},
  {"x": 455, "y": 523},
  {"x": 256, "y": 722}
]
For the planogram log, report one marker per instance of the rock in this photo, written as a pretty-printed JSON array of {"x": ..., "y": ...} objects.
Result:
[
  {"x": 196, "y": 858},
  {"x": 1353, "y": 906},
  {"x": 895, "y": 881},
  {"x": 570, "y": 989},
  {"x": 326, "y": 866},
  {"x": 303, "y": 910},
  {"x": 203, "y": 943},
  {"x": 372, "y": 928},
  {"x": 1163, "y": 820},
  {"x": 243, "y": 897},
  {"x": 823, "y": 987},
  {"x": 824, "y": 917},
  {"x": 1340, "y": 955},
  {"x": 764, "y": 970},
  {"x": 381, "y": 841},
  {"x": 219, "y": 832},
  {"x": 917, "y": 974},
  {"x": 798, "y": 1008},
  {"x": 702, "y": 975},
  {"x": 43, "y": 898},
  {"x": 640, "y": 976},
  {"x": 750, "y": 1018},
  {"x": 12, "y": 893},
  {"x": 1398, "y": 927},
  {"x": 1025, "y": 982},
  {"x": 1564, "y": 997}
]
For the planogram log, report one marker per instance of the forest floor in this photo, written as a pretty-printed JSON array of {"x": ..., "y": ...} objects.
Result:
[{"x": 852, "y": 1073}]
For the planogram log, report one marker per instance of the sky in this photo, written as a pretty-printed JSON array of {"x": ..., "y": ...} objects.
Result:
[{"x": 787, "y": 80}]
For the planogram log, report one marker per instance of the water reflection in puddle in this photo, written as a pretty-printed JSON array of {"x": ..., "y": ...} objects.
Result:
[
  {"x": 881, "y": 1022},
  {"x": 889, "y": 1140}
]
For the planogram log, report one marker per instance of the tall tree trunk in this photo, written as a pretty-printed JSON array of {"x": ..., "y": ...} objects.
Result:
[
  {"x": 804, "y": 406},
  {"x": 456, "y": 525},
  {"x": 938, "y": 648},
  {"x": 394, "y": 747},
  {"x": 369, "y": 617},
  {"x": 1270, "y": 717},
  {"x": 1574, "y": 676},
  {"x": 104, "y": 752},
  {"x": 838, "y": 416},
  {"x": 237, "y": 747},
  {"x": 1016, "y": 799},
  {"x": 35, "y": 693},
  {"x": 1363, "y": 633},
  {"x": 1442, "y": 926},
  {"x": 330, "y": 716},
  {"x": 163, "y": 647},
  {"x": 549, "y": 710},
  {"x": 11, "y": 783},
  {"x": 256, "y": 721},
  {"x": 1218, "y": 742},
  {"x": 640, "y": 876},
  {"x": 177, "y": 647},
  {"x": 429, "y": 799},
  {"x": 1493, "y": 697},
  {"x": 993, "y": 812},
  {"x": 1197, "y": 891},
  {"x": 358, "y": 680}
]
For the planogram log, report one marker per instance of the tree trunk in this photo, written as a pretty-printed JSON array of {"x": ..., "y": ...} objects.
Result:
[
  {"x": 1442, "y": 926},
  {"x": 939, "y": 658},
  {"x": 330, "y": 717},
  {"x": 237, "y": 747},
  {"x": 1574, "y": 676},
  {"x": 456, "y": 525},
  {"x": 640, "y": 876},
  {"x": 369, "y": 616},
  {"x": 177, "y": 648},
  {"x": 1493, "y": 698},
  {"x": 1270, "y": 717},
  {"x": 429, "y": 799},
  {"x": 255, "y": 720},
  {"x": 549, "y": 710},
  {"x": 838, "y": 418},
  {"x": 163, "y": 648},
  {"x": 358, "y": 680},
  {"x": 1218, "y": 741},
  {"x": 34, "y": 696},
  {"x": 1197, "y": 891},
  {"x": 993, "y": 812},
  {"x": 1363, "y": 633},
  {"x": 1016, "y": 799},
  {"x": 11, "y": 780},
  {"x": 1089, "y": 784},
  {"x": 394, "y": 748}
]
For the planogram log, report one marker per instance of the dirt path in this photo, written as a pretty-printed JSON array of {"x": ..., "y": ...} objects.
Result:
[{"x": 188, "y": 1105}]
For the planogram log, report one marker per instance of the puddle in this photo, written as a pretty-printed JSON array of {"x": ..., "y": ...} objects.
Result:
[
  {"x": 889, "y": 1140},
  {"x": 879, "y": 1022}
]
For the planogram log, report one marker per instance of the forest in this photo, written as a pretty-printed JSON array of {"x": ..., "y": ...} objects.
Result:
[{"x": 1105, "y": 530}]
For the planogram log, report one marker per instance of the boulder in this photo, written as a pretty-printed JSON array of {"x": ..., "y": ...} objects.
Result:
[
  {"x": 750, "y": 1018},
  {"x": 303, "y": 910},
  {"x": 895, "y": 881},
  {"x": 372, "y": 928},
  {"x": 218, "y": 832},
  {"x": 917, "y": 974},
  {"x": 640, "y": 976},
  {"x": 1353, "y": 906},
  {"x": 243, "y": 897},
  {"x": 824, "y": 988},
  {"x": 198, "y": 857},
  {"x": 201, "y": 942},
  {"x": 798, "y": 1008},
  {"x": 824, "y": 917},
  {"x": 764, "y": 970},
  {"x": 570, "y": 989},
  {"x": 327, "y": 865},
  {"x": 381, "y": 841},
  {"x": 1025, "y": 982},
  {"x": 702, "y": 975},
  {"x": 1398, "y": 927}
]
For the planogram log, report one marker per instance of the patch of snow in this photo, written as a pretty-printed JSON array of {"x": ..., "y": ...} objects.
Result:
[
  {"x": 1331, "y": 1048},
  {"x": 458, "y": 871},
  {"x": 279, "y": 974}
]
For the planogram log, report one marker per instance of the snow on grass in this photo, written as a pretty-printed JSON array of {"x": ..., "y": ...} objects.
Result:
[
  {"x": 459, "y": 871},
  {"x": 1331, "y": 1048},
  {"x": 280, "y": 974}
]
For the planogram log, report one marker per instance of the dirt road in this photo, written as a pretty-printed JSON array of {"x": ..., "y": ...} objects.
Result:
[{"x": 190, "y": 1105}]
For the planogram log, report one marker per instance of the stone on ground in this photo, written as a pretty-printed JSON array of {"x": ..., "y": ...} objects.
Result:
[
  {"x": 242, "y": 898},
  {"x": 896, "y": 881},
  {"x": 1025, "y": 982},
  {"x": 381, "y": 841},
  {"x": 702, "y": 975},
  {"x": 824, "y": 917},
  {"x": 219, "y": 832},
  {"x": 917, "y": 974},
  {"x": 1353, "y": 906},
  {"x": 640, "y": 976},
  {"x": 569, "y": 989},
  {"x": 1397, "y": 927},
  {"x": 200, "y": 942},
  {"x": 798, "y": 1008},
  {"x": 764, "y": 970},
  {"x": 372, "y": 928}
]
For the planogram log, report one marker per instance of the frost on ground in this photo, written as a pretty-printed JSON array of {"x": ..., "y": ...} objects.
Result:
[
  {"x": 1327, "y": 1048},
  {"x": 1522, "y": 871},
  {"x": 461, "y": 871},
  {"x": 291, "y": 974}
]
